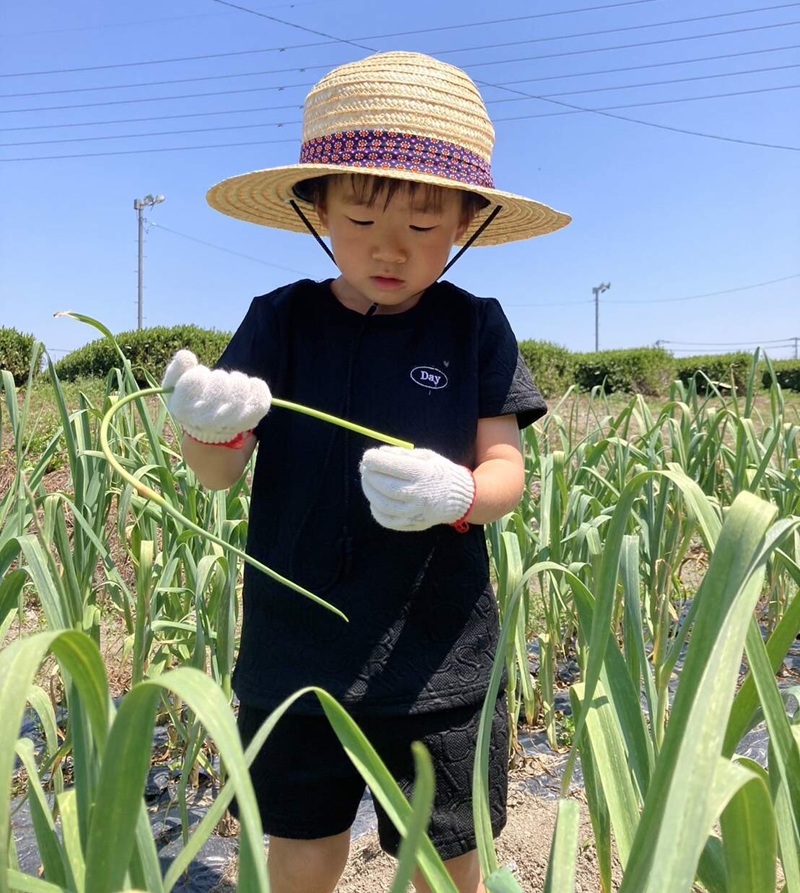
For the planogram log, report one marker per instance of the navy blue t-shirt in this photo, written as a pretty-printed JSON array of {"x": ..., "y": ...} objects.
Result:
[{"x": 423, "y": 623}]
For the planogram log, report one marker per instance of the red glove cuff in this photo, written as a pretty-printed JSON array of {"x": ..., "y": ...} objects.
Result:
[
  {"x": 461, "y": 525},
  {"x": 237, "y": 443}
]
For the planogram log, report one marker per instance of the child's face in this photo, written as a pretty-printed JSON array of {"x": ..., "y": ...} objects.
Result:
[{"x": 389, "y": 254}]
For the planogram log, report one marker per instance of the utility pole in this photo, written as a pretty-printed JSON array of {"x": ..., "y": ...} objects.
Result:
[
  {"x": 138, "y": 205},
  {"x": 604, "y": 286}
]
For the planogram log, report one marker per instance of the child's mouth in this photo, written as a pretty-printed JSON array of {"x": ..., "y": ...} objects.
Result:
[{"x": 387, "y": 282}]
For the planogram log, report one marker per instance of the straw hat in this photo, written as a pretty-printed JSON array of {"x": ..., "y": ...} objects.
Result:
[{"x": 400, "y": 115}]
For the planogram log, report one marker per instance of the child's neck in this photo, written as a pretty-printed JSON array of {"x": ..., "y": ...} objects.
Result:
[{"x": 354, "y": 300}]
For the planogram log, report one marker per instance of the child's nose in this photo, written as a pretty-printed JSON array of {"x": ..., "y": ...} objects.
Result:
[{"x": 390, "y": 251}]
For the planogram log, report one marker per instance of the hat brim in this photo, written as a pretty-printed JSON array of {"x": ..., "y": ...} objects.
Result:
[{"x": 263, "y": 197}]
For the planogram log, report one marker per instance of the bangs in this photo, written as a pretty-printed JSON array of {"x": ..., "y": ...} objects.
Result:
[{"x": 370, "y": 189}]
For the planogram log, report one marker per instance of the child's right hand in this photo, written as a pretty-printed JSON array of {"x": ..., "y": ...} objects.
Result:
[{"x": 214, "y": 406}]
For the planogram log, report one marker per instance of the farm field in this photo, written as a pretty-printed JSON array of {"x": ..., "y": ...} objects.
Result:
[{"x": 648, "y": 588}]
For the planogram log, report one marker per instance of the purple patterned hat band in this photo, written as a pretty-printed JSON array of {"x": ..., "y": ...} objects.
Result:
[{"x": 388, "y": 150}]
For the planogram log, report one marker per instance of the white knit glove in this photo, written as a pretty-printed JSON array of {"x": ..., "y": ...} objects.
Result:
[
  {"x": 213, "y": 406},
  {"x": 415, "y": 489}
]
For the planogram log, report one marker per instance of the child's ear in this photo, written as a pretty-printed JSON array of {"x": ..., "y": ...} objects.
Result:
[{"x": 322, "y": 213}]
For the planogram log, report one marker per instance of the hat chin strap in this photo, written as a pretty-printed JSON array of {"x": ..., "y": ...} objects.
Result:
[
  {"x": 474, "y": 236},
  {"x": 310, "y": 226}
]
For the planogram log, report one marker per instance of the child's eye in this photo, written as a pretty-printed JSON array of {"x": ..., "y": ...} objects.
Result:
[
  {"x": 422, "y": 229},
  {"x": 360, "y": 222}
]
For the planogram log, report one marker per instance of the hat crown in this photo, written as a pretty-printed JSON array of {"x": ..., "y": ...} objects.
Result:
[
  {"x": 396, "y": 115},
  {"x": 403, "y": 93}
]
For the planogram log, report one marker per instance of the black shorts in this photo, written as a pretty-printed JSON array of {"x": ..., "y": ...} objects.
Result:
[{"x": 307, "y": 787}]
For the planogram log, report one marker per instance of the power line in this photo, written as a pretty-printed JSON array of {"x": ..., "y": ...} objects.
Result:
[
  {"x": 625, "y": 46},
  {"x": 280, "y": 124},
  {"x": 782, "y": 342},
  {"x": 549, "y": 304},
  {"x": 700, "y": 77},
  {"x": 200, "y": 15},
  {"x": 306, "y": 84},
  {"x": 355, "y": 41},
  {"x": 556, "y": 304},
  {"x": 575, "y": 109},
  {"x": 636, "y": 46},
  {"x": 771, "y": 347},
  {"x": 152, "y": 133},
  {"x": 539, "y": 15},
  {"x": 660, "y": 300},
  {"x": 284, "y": 87},
  {"x": 578, "y": 74},
  {"x": 461, "y": 26},
  {"x": 149, "y": 118},
  {"x": 294, "y": 25},
  {"x": 106, "y": 25},
  {"x": 719, "y": 15},
  {"x": 149, "y": 151},
  {"x": 711, "y": 294},
  {"x": 572, "y": 110},
  {"x": 619, "y": 117},
  {"x": 691, "y": 351},
  {"x": 257, "y": 260},
  {"x": 550, "y": 77},
  {"x": 87, "y": 105}
]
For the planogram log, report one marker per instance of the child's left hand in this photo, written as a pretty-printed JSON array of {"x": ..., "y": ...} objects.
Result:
[{"x": 415, "y": 489}]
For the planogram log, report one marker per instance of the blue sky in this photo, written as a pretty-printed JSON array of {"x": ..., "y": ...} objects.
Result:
[{"x": 699, "y": 236}]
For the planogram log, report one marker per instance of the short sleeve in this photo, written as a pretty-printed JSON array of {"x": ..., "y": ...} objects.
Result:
[
  {"x": 253, "y": 347},
  {"x": 506, "y": 384}
]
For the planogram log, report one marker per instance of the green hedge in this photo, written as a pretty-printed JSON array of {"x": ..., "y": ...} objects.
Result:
[
  {"x": 787, "y": 375},
  {"x": 645, "y": 370},
  {"x": 147, "y": 349},
  {"x": 15, "y": 353},
  {"x": 552, "y": 366},
  {"x": 648, "y": 370},
  {"x": 721, "y": 369}
]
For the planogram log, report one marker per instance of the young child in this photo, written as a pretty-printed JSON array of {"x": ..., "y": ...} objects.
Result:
[{"x": 395, "y": 168}]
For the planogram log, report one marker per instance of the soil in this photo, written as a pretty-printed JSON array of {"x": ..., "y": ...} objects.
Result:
[{"x": 523, "y": 847}]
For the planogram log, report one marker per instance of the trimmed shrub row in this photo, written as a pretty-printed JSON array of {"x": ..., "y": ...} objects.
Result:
[
  {"x": 149, "y": 350},
  {"x": 721, "y": 369},
  {"x": 787, "y": 375},
  {"x": 552, "y": 366},
  {"x": 15, "y": 353},
  {"x": 648, "y": 370}
]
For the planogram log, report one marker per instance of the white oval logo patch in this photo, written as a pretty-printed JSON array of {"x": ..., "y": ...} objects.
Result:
[{"x": 429, "y": 377}]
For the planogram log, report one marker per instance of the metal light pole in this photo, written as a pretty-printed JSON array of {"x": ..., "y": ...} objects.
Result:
[
  {"x": 604, "y": 286},
  {"x": 138, "y": 204}
]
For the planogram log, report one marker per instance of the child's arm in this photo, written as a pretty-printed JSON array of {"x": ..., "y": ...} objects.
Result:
[{"x": 499, "y": 471}]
